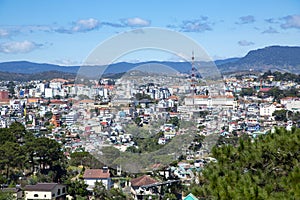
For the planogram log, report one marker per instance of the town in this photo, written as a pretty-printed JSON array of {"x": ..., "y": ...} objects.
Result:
[{"x": 140, "y": 136}]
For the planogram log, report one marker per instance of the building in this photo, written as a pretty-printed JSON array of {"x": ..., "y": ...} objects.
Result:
[
  {"x": 91, "y": 176},
  {"x": 190, "y": 197},
  {"x": 210, "y": 101},
  {"x": 51, "y": 191},
  {"x": 138, "y": 186},
  {"x": 267, "y": 110},
  {"x": 3, "y": 94},
  {"x": 48, "y": 93},
  {"x": 291, "y": 103}
]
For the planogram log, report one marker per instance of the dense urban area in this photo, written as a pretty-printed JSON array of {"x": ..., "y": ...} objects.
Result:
[{"x": 151, "y": 136}]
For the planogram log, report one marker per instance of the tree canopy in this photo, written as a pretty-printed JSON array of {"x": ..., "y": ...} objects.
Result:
[{"x": 266, "y": 168}]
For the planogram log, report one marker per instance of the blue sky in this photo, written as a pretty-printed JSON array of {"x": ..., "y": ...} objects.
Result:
[{"x": 65, "y": 32}]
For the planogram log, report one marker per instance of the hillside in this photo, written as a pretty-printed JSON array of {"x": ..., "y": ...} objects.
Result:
[
  {"x": 269, "y": 58},
  {"x": 273, "y": 58},
  {"x": 47, "y": 75}
]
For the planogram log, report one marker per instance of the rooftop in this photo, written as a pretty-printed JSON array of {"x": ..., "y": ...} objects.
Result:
[
  {"x": 143, "y": 180},
  {"x": 96, "y": 173},
  {"x": 41, "y": 187}
]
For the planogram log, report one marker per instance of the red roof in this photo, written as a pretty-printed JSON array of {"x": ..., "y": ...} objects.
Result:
[
  {"x": 96, "y": 173},
  {"x": 143, "y": 180},
  {"x": 265, "y": 89}
]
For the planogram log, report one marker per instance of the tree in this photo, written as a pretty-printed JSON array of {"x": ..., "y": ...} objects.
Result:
[
  {"x": 11, "y": 156},
  {"x": 48, "y": 115},
  {"x": 247, "y": 92},
  {"x": 85, "y": 159},
  {"x": 116, "y": 193},
  {"x": 174, "y": 121},
  {"x": 77, "y": 188},
  {"x": 280, "y": 115},
  {"x": 6, "y": 195},
  {"x": 169, "y": 196},
  {"x": 266, "y": 168},
  {"x": 100, "y": 191}
]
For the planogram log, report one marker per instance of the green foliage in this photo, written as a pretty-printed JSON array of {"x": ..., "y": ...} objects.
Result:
[
  {"x": 101, "y": 193},
  {"x": 77, "y": 188},
  {"x": 279, "y": 94},
  {"x": 85, "y": 159},
  {"x": 247, "y": 92},
  {"x": 278, "y": 76},
  {"x": 174, "y": 121},
  {"x": 147, "y": 144},
  {"x": 280, "y": 115},
  {"x": 48, "y": 115},
  {"x": 6, "y": 195},
  {"x": 169, "y": 196},
  {"x": 140, "y": 96},
  {"x": 266, "y": 168},
  {"x": 20, "y": 151}
]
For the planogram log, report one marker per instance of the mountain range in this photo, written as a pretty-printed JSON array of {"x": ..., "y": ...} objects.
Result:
[{"x": 280, "y": 58}]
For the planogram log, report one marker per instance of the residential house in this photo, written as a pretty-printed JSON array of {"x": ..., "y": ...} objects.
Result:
[
  {"x": 51, "y": 191},
  {"x": 139, "y": 187},
  {"x": 91, "y": 176}
]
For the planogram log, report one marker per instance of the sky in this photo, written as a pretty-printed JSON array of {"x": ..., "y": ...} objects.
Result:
[{"x": 65, "y": 32}]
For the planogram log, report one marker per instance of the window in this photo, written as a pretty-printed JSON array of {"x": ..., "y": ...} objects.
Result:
[
  {"x": 64, "y": 190},
  {"x": 58, "y": 192},
  {"x": 36, "y": 195},
  {"x": 45, "y": 196}
]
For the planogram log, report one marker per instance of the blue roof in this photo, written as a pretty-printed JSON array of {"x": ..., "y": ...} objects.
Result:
[{"x": 190, "y": 197}]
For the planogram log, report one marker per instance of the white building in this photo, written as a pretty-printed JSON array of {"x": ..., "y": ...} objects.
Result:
[
  {"x": 48, "y": 93},
  {"x": 208, "y": 101},
  {"x": 291, "y": 103},
  {"x": 91, "y": 176},
  {"x": 45, "y": 191},
  {"x": 267, "y": 110}
]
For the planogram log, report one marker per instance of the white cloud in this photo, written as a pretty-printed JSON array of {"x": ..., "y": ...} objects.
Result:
[
  {"x": 270, "y": 30},
  {"x": 245, "y": 43},
  {"x": 18, "y": 47},
  {"x": 246, "y": 19},
  {"x": 66, "y": 62},
  {"x": 198, "y": 25},
  {"x": 291, "y": 21},
  {"x": 4, "y": 33},
  {"x": 84, "y": 25},
  {"x": 136, "y": 22}
]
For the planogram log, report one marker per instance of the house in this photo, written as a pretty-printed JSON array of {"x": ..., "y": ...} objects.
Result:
[
  {"x": 139, "y": 187},
  {"x": 52, "y": 191},
  {"x": 190, "y": 197},
  {"x": 91, "y": 176},
  {"x": 291, "y": 103}
]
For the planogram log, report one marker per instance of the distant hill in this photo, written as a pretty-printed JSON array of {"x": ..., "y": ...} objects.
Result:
[
  {"x": 269, "y": 58},
  {"x": 48, "y": 75},
  {"x": 26, "y": 67},
  {"x": 280, "y": 58}
]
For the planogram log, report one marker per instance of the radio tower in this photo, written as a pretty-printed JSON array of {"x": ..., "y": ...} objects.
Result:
[{"x": 193, "y": 77}]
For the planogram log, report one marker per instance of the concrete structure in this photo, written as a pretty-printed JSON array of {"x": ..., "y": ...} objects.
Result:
[{"x": 51, "y": 191}]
